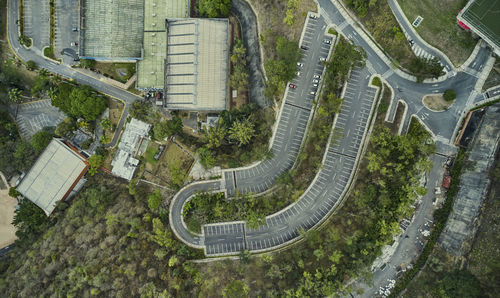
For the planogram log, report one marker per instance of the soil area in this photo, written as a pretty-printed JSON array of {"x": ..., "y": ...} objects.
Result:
[
  {"x": 7, "y": 208},
  {"x": 436, "y": 102}
]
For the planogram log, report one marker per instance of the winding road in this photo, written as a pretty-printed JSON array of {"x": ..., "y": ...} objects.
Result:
[{"x": 341, "y": 157}]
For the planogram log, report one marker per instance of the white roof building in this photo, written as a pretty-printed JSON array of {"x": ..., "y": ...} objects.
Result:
[
  {"x": 124, "y": 163},
  {"x": 53, "y": 176}
]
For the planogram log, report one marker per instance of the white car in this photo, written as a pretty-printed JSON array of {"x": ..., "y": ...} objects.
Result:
[
  {"x": 298, "y": 73},
  {"x": 327, "y": 41},
  {"x": 316, "y": 76},
  {"x": 312, "y": 16},
  {"x": 315, "y": 85},
  {"x": 312, "y": 92},
  {"x": 300, "y": 64},
  {"x": 315, "y": 81},
  {"x": 322, "y": 59}
]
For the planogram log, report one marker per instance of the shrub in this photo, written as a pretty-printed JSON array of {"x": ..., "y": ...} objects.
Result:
[{"x": 449, "y": 95}]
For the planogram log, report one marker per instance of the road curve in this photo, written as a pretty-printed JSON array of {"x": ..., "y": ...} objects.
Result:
[{"x": 61, "y": 69}]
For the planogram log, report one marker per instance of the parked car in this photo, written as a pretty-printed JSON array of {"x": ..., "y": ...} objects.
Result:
[
  {"x": 312, "y": 92},
  {"x": 322, "y": 59},
  {"x": 316, "y": 76},
  {"x": 75, "y": 29},
  {"x": 315, "y": 85},
  {"x": 327, "y": 41},
  {"x": 316, "y": 81},
  {"x": 313, "y": 16},
  {"x": 304, "y": 48},
  {"x": 73, "y": 44},
  {"x": 293, "y": 86},
  {"x": 300, "y": 64},
  {"x": 298, "y": 73}
]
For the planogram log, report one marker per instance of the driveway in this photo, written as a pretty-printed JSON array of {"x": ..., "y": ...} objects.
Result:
[{"x": 33, "y": 116}]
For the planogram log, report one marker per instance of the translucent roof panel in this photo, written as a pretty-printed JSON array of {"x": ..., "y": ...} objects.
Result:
[{"x": 112, "y": 29}]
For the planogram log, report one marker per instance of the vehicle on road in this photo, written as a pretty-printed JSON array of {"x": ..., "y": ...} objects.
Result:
[{"x": 293, "y": 86}]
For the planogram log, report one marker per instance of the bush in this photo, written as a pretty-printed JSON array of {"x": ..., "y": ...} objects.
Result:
[{"x": 449, "y": 95}]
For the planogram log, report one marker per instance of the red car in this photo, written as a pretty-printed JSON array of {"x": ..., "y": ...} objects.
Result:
[{"x": 292, "y": 86}]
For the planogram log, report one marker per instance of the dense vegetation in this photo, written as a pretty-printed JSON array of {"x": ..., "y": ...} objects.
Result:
[
  {"x": 239, "y": 74},
  {"x": 208, "y": 208},
  {"x": 17, "y": 155},
  {"x": 78, "y": 101},
  {"x": 106, "y": 243},
  {"x": 383, "y": 26},
  {"x": 282, "y": 67},
  {"x": 214, "y": 8}
]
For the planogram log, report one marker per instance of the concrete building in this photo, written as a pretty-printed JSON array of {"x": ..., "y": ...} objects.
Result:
[
  {"x": 483, "y": 18},
  {"x": 185, "y": 58},
  {"x": 53, "y": 177},
  {"x": 124, "y": 163}
]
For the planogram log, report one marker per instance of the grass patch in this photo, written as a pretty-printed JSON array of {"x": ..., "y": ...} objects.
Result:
[
  {"x": 376, "y": 82},
  {"x": 439, "y": 27},
  {"x": 332, "y": 31},
  {"x": 150, "y": 153},
  {"x": 383, "y": 26},
  {"x": 120, "y": 72}
]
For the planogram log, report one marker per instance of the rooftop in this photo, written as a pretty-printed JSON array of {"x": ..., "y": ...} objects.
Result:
[
  {"x": 124, "y": 164},
  {"x": 197, "y": 64},
  {"x": 151, "y": 67},
  {"x": 112, "y": 29},
  {"x": 482, "y": 17},
  {"x": 53, "y": 176}
]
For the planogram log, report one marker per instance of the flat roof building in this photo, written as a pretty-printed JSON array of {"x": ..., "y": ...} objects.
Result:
[
  {"x": 483, "y": 18},
  {"x": 124, "y": 163},
  {"x": 53, "y": 176},
  {"x": 197, "y": 64},
  {"x": 111, "y": 29}
]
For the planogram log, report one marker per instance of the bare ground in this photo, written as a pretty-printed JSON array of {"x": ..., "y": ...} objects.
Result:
[{"x": 436, "y": 102}]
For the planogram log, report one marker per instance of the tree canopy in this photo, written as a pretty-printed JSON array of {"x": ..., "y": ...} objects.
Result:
[
  {"x": 79, "y": 101},
  {"x": 214, "y": 8}
]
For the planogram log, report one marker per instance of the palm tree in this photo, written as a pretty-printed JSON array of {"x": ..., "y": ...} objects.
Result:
[
  {"x": 15, "y": 95},
  {"x": 242, "y": 132}
]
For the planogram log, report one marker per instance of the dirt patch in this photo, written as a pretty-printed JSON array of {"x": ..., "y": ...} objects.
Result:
[
  {"x": 171, "y": 168},
  {"x": 436, "y": 102},
  {"x": 7, "y": 208}
]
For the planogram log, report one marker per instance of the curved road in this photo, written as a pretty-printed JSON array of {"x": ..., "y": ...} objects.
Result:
[
  {"x": 340, "y": 158},
  {"x": 63, "y": 70},
  {"x": 331, "y": 182}
]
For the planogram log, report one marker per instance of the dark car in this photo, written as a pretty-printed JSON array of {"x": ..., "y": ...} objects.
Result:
[
  {"x": 293, "y": 86},
  {"x": 304, "y": 48}
]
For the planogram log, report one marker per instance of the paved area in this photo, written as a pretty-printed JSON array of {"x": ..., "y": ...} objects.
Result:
[
  {"x": 67, "y": 15},
  {"x": 7, "y": 209},
  {"x": 32, "y": 117},
  {"x": 37, "y": 22}
]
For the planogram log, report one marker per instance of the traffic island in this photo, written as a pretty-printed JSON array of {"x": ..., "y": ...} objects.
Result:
[{"x": 436, "y": 102}]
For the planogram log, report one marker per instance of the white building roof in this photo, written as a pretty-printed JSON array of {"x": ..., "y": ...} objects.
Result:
[
  {"x": 53, "y": 176},
  {"x": 123, "y": 163},
  {"x": 197, "y": 64}
]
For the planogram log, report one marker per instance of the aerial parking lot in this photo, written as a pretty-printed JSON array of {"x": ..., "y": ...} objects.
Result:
[
  {"x": 33, "y": 116},
  {"x": 67, "y": 31}
]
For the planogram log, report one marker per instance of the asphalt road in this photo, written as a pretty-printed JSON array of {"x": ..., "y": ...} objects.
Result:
[{"x": 62, "y": 70}]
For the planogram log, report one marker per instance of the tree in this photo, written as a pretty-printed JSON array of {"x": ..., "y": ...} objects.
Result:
[
  {"x": 214, "y": 8},
  {"x": 15, "y": 95},
  {"x": 168, "y": 128},
  {"x": 66, "y": 127},
  {"x": 86, "y": 104},
  {"x": 215, "y": 136},
  {"x": 154, "y": 200},
  {"x": 449, "y": 95},
  {"x": 87, "y": 63},
  {"x": 24, "y": 155},
  {"x": 41, "y": 139},
  {"x": 29, "y": 220},
  {"x": 242, "y": 131},
  {"x": 13, "y": 192},
  {"x": 31, "y": 65},
  {"x": 459, "y": 283},
  {"x": 105, "y": 123},
  {"x": 207, "y": 157},
  {"x": 95, "y": 162}
]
